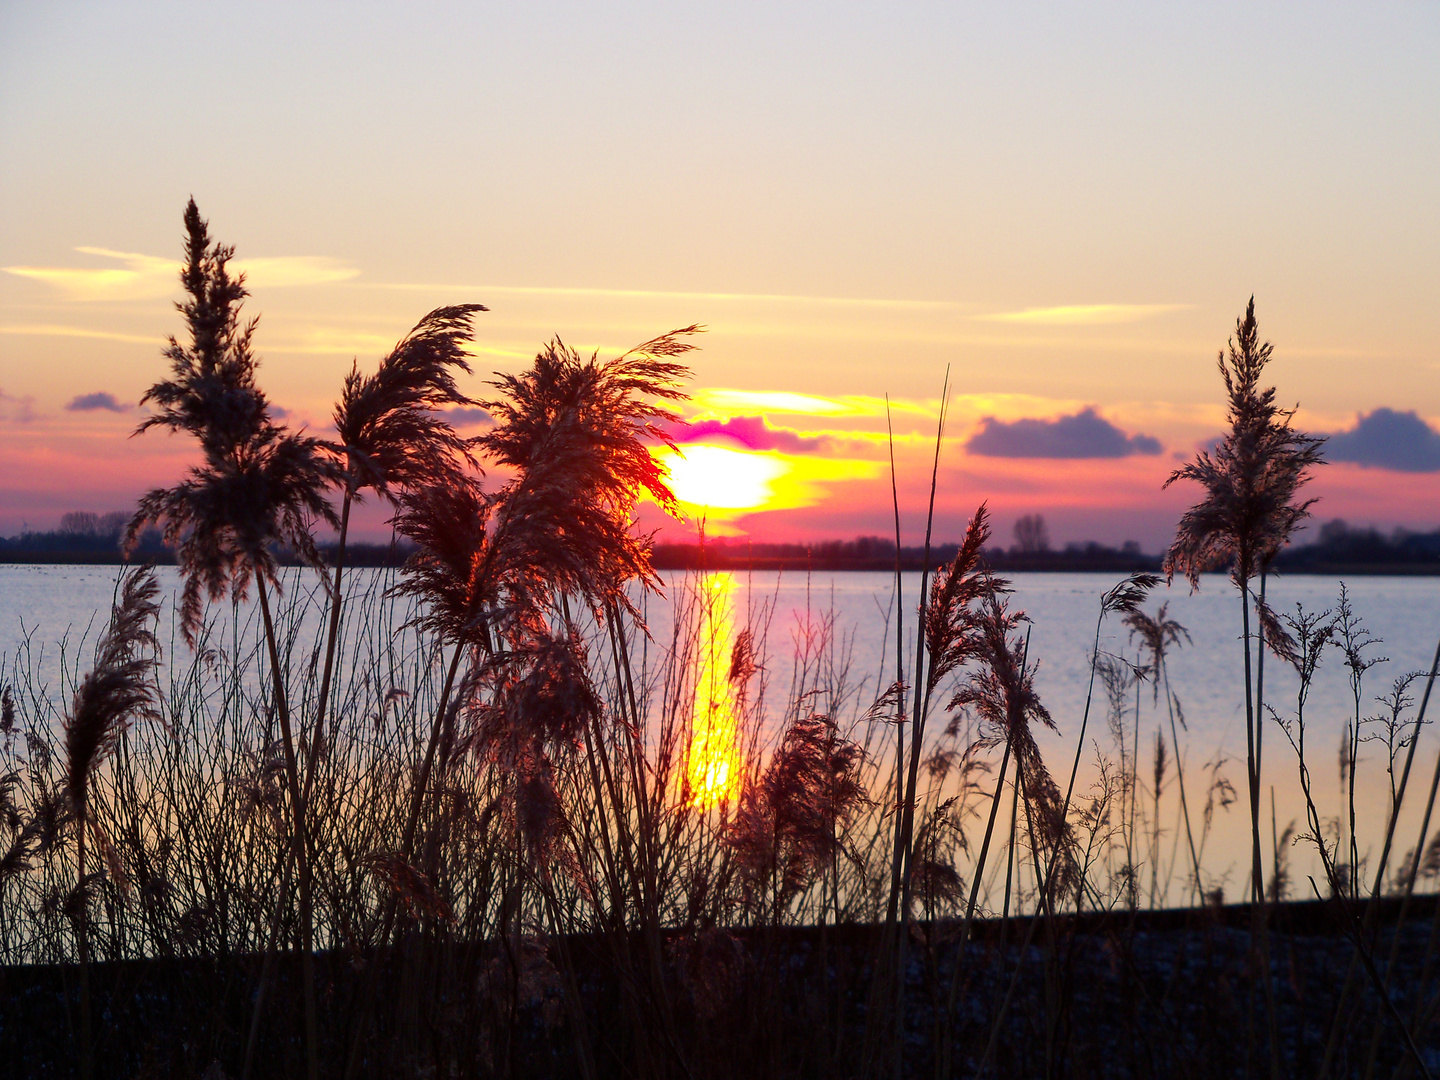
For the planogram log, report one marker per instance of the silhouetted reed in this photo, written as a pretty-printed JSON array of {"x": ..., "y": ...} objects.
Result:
[
  {"x": 116, "y": 692},
  {"x": 256, "y": 485},
  {"x": 1250, "y": 509}
]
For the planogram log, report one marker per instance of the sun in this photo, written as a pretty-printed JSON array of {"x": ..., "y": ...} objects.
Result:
[{"x": 716, "y": 478}]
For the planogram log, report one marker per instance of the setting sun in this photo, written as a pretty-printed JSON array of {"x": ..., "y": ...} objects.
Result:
[{"x": 720, "y": 479}]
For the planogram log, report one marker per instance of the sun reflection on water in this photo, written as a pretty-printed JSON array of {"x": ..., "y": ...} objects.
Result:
[{"x": 713, "y": 770}]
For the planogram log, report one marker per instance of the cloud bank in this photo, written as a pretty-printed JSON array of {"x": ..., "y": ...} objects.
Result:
[
  {"x": 95, "y": 401},
  {"x": 1086, "y": 434},
  {"x": 462, "y": 416},
  {"x": 1388, "y": 439}
]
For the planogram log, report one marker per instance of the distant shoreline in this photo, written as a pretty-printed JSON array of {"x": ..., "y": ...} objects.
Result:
[
  {"x": 713, "y": 560},
  {"x": 1337, "y": 550}
]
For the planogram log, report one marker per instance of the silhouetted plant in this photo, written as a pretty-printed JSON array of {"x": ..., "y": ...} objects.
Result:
[
  {"x": 1157, "y": 634},
  {"x": 257, "y": 485},
  {"x": 787, "y": 826},
  {"x": 117, "y": 690},
  {"x": 1250, "y": 509},
  {"x": 577, "y": 433},
  {"x": 394, "y": 438}
]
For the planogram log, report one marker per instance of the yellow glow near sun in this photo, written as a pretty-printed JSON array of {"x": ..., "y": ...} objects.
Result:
[
  {"x": 713, "y": 765},
  {"x": 725, "y": 401},
  {"x": 717, "y": 478},
  {"x": 776, "y": 401},
  {"x": 717, "y": 483}
]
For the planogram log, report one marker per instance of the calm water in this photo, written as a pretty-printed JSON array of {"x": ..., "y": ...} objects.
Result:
[{"x": 54, "y": 612}]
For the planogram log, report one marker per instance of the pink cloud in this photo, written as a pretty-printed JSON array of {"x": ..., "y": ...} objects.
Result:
[{"x": 751, "y": 432}]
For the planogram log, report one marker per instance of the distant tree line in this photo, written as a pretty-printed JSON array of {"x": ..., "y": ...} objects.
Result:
[{"x": 87, "y": 537}]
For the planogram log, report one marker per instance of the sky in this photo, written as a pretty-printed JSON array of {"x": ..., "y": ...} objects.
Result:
[{"x": 1047, "y": 215}]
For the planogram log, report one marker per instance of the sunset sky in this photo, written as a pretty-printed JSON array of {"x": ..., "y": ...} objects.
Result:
[{"x": 1067, "y": 205}]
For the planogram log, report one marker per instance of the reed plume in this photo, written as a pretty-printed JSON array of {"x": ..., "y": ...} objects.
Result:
[
  {"x": 1250, "y": 509},
  {"x": 390, "y": 425},
  {"x": 951, "y": 623},
  {"x": 212, "y": 395},
  {"x": 1157, "y": 634},
  {"x": 952, "y": 615},
  {"x": 393, "y": 438},
  {"x": 577, "y": 434},
  {"x": 787, "y": 826},
  {"x": 257, "y": 485},
  {"x": 1000, "y": 691},
  {"x": 491, "y": 567},
  {"x": 1252, "y": 481},
  {"x": 117, "y": 690},
  {"x": 452, "y": 568},
  {"x": 533, "y": 707}
]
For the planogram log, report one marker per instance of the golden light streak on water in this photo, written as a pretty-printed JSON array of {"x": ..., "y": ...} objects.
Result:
[{"x": 713, "y": 769}]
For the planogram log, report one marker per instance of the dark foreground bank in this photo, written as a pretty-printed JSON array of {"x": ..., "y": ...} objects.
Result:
[{"x": 1161, "y": 994}]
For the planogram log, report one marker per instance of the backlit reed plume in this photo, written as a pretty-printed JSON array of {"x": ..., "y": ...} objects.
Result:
[
  {"x": 493, "y": 567},
  {"x": 256, "y": 486},
  {"x": 393, "y": 438},
  {"x": 952, "y": 627},
  {"x": 788, "y": 826},
  {"x": 1156, "y": 635},
  {"x": 1250, "y": 509},
  {"x": 953, "y": 613},
  {"x": 452, "y": 573},
  {"x": 1252, "y": 480},
  {"x": 535, "y": 707},
  {"x": 118, "y": 689},
  {"x": 577, "y": 433},
  {"x": 1000, "y": 691},
  {"x": 391, "y": 426}
]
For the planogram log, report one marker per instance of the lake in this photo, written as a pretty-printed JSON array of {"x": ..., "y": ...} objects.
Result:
[{"x": 54, "y": 612}]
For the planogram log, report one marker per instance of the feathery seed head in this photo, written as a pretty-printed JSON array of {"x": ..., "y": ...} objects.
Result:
[
  {"x": 116, "y": 690},
  {"x": 1252, "y": 481},
  {"x": 388, "y": 425}
]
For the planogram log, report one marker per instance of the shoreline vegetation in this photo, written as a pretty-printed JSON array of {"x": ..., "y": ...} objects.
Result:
[
  {"x": 1339, "y": 551},
  {"x": 469, "y": 818}
]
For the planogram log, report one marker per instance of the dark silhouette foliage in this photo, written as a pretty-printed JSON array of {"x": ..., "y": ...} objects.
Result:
[
  {"x": 1251, "y": 481},
  {"x": 257, "y": 484},
  {"x": 117, "y": 689},
  {"x": 390, "y": 424}
]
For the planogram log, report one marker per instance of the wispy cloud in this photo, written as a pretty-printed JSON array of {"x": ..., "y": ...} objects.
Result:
[
  {"x": 327, "y": 341},
  {"x": 96, "y": 402},
  {"x": 19, "y": 410},
  {"x": 669, "y": 294},
  {"x": 1083, "y": 314},
  {"x": 51, "y": 330},
  {"x": 149, "y": 277}
]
